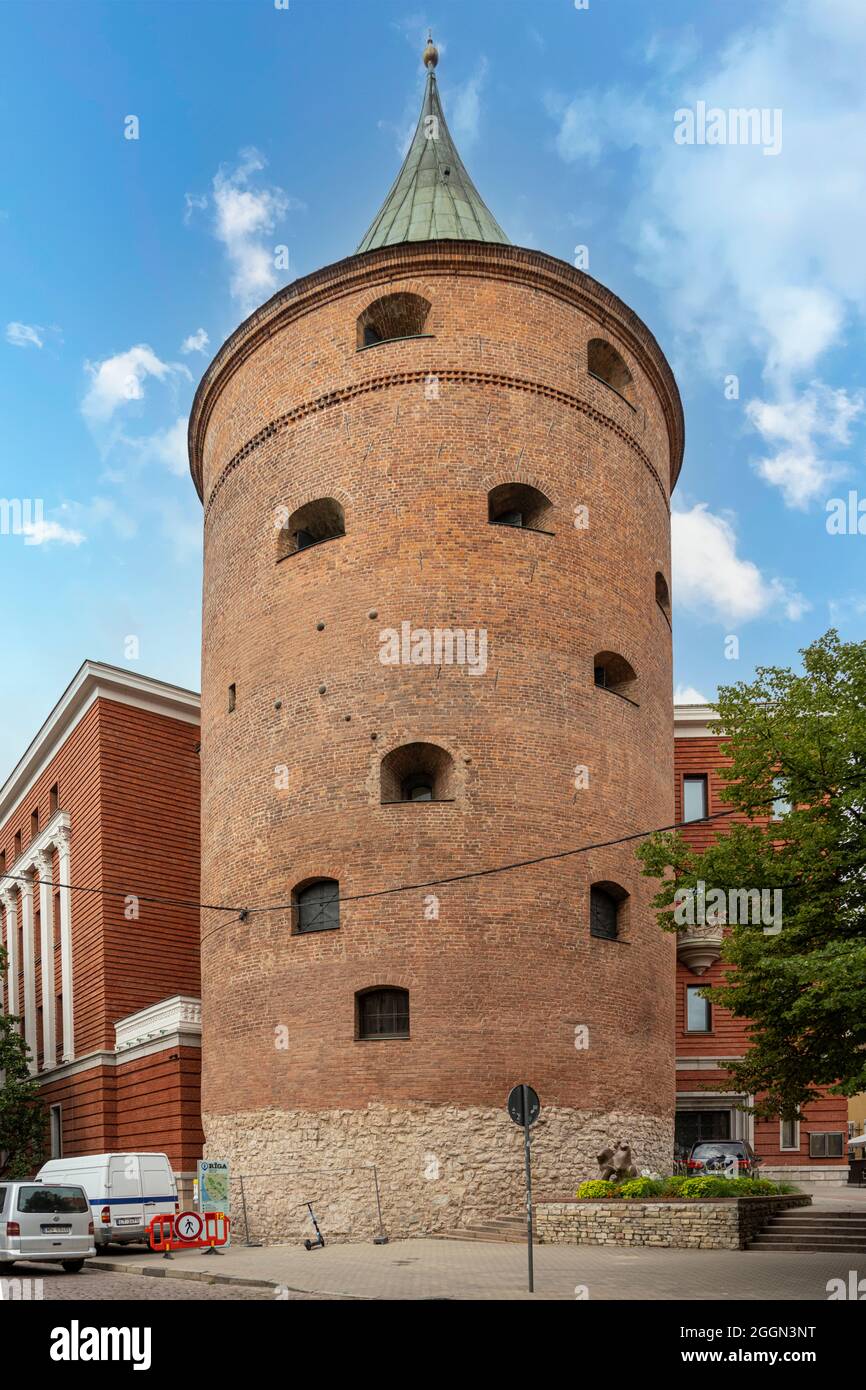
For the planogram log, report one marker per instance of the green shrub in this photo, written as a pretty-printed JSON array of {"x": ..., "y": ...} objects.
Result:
[
  {"x": 641, "y": 1187},
  {"x": 596, "y": 1187},
  {"x": 707, "y": 1187},
  {"x": 754, "y": 1187},
  {"x": 673, "y": 1185}
]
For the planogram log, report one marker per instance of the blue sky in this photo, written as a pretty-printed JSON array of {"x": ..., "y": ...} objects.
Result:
[{"x": 125, "y": 263}]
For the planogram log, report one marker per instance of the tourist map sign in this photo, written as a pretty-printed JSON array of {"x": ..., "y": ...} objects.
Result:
[{"x": 214, "y": 1189}]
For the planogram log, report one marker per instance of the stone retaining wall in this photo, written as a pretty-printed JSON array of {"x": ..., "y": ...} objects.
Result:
[{"x": 726, "y": 1224}]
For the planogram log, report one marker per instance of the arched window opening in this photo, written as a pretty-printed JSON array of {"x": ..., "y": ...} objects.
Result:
[
  {"x": 382, "y": 1013},
  {"x": 417, "y": 772},
  {"x": 418, "y": 788},
  {"x": 393, "y": 316},
  {"x": 321, "y": 520},
  {"x": 316, "y": 905},
  {"x": 605, "y": 364},
  {"x": 663, "y": 596},
  {"x": 612, "y": 672},
  {"x": 518, "y": 504},
  {"x": 606, "y": 910}
]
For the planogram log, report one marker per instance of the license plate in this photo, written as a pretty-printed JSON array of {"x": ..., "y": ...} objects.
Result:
[
  {"x": 56, "y": 1230},
  {"x": 127, "y": 1221}
]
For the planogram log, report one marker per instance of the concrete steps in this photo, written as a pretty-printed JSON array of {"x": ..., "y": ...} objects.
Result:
[
  {"x": 807, "y": 1229},
  {"x": 504, "y": 1229}
]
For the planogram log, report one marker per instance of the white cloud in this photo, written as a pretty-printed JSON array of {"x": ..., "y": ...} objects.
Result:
[
  {"x": 168, "y": 447},
  {"x": 25, "y": 335},
  {"x": 711, "y": 580},
  {"x": 119, "y": 379},
  {"x": 797, "y": 428},
  {"x": 755, "y": 256},
  {"x": 193, "y": 202},
  {"x": 243, "y": 218},
  {"x": 196, "y": 342},
  {"x": 595, "y": 122},
  {"x": 42, "y": 532},
  {"x": 466, "y": 106},
  {"x": 674, "y": 50},
  {"x": 688, "y": 695}
]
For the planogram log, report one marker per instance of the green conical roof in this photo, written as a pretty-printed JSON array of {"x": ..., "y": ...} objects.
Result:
[{"x": 433, "y": 198}]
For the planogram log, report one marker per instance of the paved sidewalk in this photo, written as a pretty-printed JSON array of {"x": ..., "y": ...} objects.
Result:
[{"x": 444, "y": 1269}]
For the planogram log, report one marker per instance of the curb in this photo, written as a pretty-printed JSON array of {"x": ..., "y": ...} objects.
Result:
[
  {"x": 205, "y": 1277},
  {"x": 200, "y": 1277}
]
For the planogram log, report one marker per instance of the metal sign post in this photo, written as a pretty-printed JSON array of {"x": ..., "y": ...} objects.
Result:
[{"x": 524, "y": 1107}]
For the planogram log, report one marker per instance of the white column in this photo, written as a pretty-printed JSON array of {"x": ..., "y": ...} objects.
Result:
[
  {"x": 4, "y": 989},
  {"x": 12, "y": 952},
  {"x": 61, "y": 842},
  {"x": 26, "y": 888},
  {"x": 46, "y": 924}
]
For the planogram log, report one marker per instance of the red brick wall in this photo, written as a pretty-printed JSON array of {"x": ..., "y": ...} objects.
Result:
[
  {"x": 149, "y": 771},
  {"x": 129, "y": 781},
  {"x": 159, "y": 1106},
  {"x": 499, "y": 982},
  {"x": 149, "y": 1104},
  {"x": 729, "y": 1035},
  {"x": 76, "y": 769}
]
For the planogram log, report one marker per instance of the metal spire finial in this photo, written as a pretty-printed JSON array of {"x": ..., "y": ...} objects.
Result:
[{"x": 431, "y": 53}]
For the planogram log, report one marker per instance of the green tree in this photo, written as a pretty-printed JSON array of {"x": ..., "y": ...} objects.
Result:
[
  {"x": 802, "y": 737},
  {"x": 22, "y": 1116}
]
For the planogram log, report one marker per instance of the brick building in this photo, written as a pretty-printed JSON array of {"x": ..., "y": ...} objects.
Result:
[
  {"x": 708, "y": 1035},
  {"x": 444, "y": 438},
  {"x": 106, "y": 797}
]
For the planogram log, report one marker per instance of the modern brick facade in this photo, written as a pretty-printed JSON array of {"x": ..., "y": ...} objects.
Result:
[
  {"x": 704, "y": 1110},
  {"x": 407, "y": 435},
  {"x": 107, "y": 798}
]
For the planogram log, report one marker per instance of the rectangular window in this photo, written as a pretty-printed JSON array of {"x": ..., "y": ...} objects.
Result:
[
  {"x": 698, "y": 1010},
  {"x": 54, "y": 799},
  {"x": 17, "y": 843},
  {"x": 781, "y": 805},
  {"x": 56, "y": 1113},
  {"x": 789, "y": 1135},
  {"x": 2, "y": 861},
  {"x": 826, "y": 1145},
  {"x": 55, "y": 1200},
  {"x": 34, "y": 823},
  {"x": 694, "y": 798}
]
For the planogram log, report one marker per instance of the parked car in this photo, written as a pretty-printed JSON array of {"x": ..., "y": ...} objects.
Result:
[
  {"x": 45, "y": 1221},
  {"x": 713, "y": 1156},
  {"x": 124, "y": 1191}
]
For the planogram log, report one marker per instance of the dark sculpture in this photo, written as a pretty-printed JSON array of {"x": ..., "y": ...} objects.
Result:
[{"x": 615, "y": 1165}]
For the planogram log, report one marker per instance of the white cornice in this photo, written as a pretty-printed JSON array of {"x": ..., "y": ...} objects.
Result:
[
  {"x": 170, "y": 1017},
  {"x": 93, "y": 681},
  {"x": 695, "y": 721}
]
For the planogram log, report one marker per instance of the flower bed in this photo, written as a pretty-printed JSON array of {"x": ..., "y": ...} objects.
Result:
[
  {"x": 692, "y": 1189},
  {"x": 674, "y": 1223}
]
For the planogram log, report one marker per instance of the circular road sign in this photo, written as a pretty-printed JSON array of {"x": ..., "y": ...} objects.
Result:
[
  {"x": 188, "y": 1226},
  {"x": 515, "y": 1105}
]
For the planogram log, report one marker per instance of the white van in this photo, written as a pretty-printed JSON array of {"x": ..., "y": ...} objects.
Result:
[{"x": 124, "y": 1190}]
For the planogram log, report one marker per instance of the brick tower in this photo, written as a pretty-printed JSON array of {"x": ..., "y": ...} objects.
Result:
[{"x": 436, "y": 482}]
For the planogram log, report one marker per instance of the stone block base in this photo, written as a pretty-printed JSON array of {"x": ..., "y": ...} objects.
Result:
[{"x": 438, "y": 1167}]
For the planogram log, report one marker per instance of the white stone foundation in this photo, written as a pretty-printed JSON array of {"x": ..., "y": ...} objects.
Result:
[{"x": 438, "y": 1167}]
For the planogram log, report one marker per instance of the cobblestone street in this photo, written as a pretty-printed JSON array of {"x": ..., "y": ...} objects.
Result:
[{"x": 94, "y": 1285}]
